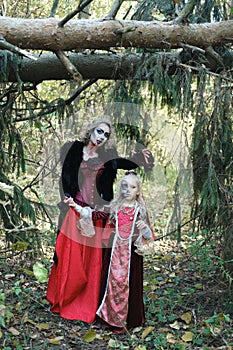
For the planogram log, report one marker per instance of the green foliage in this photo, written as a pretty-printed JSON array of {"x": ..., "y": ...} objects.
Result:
[
  {"x": 9, "y": 62},
  {"x": 212, "y": 160}
]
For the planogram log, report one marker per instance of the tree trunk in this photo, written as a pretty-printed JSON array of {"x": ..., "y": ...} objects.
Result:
[
  {"x": 90, "y": 66},
  {"x": 45, "y": 34}
]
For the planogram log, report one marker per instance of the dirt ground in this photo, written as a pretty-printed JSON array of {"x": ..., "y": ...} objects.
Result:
[{"x": 187, "y": 299}]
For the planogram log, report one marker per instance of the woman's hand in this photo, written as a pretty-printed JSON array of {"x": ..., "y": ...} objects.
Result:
[
  {"x": 70, "y": 201},
  {"x": 147, "y": 155},
  {"x": 144, "y": 157},
  {"x": 84, "y": 212}
]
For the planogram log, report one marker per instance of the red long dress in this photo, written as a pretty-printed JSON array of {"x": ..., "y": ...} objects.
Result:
[{"x": 74, "y": 283}]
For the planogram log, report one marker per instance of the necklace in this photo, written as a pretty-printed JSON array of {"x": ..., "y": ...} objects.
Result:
[{"x": 130, "y": 212}]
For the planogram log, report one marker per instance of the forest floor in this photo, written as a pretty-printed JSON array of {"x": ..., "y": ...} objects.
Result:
[{"x": 188, "y": 302}]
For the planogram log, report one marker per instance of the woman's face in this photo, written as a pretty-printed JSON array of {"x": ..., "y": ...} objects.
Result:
[
  {"x": 100, "y": 135},
  {"x": 129, "y": 188}
]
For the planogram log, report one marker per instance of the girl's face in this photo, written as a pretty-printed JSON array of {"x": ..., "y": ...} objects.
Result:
[
  {"x": 129, "y": 188},
  {"x": 100, "y": 135}
]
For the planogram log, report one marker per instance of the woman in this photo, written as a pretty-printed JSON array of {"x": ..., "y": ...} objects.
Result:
[{"x": 88, "y": 174}]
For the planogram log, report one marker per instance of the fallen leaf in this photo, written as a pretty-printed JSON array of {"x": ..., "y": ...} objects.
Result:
[
  {"x": 147, "y": 331},
  {"x": 175, "y": 325},
  {"x": 40, "y": 272},
  {"x": 215, "y": 330},
  {"x": 30, "y": 321},
  {"x": 43, "y": 326},
  {"x": 137, "y": 329},
  {"x": 28, "y": 272},
  {"x": 34, "y": 335},
  {"x": 89, "y": 336},
  {"x": 170, "y": 338},
  {"x": 2, "y": 310},
  {"x": 113, "y": 344},
  {"x": 140, "y": 347},
  {"x": 19, "y": 246},
  {"x": 13, "y": 331},
  {"x": 186, "y": 317},
  {"x": 56, "y": 341},
  {"x": 187, "y": 337},
  {"x": 10, "y": 275}
]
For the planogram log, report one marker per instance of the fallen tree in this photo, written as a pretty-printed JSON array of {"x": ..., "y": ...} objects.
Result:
[{"x": 46, "y": 34}]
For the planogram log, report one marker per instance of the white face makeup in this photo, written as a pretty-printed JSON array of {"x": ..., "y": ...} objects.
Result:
[
  {"x": 129, "y": 188},
  {"x": 100, "y": 135}
]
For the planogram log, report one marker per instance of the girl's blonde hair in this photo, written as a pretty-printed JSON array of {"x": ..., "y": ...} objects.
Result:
[
  {"x": 94, "y": 124},
  {"x": 118, "y": 200}
]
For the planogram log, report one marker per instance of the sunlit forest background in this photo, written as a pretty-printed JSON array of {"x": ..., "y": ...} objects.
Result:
[{"x": 185, "y": 119}]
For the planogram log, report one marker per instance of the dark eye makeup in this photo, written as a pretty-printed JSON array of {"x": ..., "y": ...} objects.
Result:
[{"x": 101, "y": 131}]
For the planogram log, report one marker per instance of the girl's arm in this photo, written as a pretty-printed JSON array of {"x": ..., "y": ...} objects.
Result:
[{"x": 144, "y": 229}]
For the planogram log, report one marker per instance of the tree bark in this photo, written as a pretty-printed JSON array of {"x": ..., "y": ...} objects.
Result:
[
  {"x": 90, "y": 66},
  {"x": 45, "y": 34}
]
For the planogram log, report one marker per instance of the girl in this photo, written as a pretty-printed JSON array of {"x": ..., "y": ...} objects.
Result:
[{"x": 122, "y": 303}]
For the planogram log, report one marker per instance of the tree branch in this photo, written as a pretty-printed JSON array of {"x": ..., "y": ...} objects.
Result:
[
  {"x": 74, "y": 13},
  {"x": 54, "y": 8},
  {"x": 207, "y": 71},
  {"x": 45, "y": 34},
  {"x": 72, "y": 70},
  {"x": 7, "y": 46},
  {"x": 183, "y": 15},
  {"x": 80, "y": 90},
  {"x": 109, "y": 66},
  {"x": 115, "y": 8}
]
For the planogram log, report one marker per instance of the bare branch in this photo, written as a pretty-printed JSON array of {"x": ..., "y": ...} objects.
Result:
[
  {"x": 80, "y": 90},
  {"x": 115, "y": 8},
  {"x": 183, "y": 15},
  {"x": 210, "y": 51},
  {"x": 54, "y": 8},
  {"x": 74, "y": 13},
  {"x": 72, "y": 70},
  {"x": 7, "y": 46},
  {"x": 207, "y": 71},
  {"x": 193, "y": 48}
]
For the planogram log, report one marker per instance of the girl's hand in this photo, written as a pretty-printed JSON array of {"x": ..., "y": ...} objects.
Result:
[
  {"x": 144, "y": 229},
  {"x": 141, "y": 225}
]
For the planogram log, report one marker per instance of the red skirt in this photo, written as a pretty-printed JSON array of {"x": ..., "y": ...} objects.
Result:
[{"x": 74, "y": 282}]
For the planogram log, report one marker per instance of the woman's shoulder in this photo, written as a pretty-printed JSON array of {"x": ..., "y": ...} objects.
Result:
[{"x": 70, "y": 148}]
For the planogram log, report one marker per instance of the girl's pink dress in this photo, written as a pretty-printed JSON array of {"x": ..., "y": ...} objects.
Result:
[{"x": 114, "y": 308}]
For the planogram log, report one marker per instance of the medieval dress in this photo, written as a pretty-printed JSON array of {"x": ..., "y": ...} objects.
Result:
[{"x": 122, "y": 303}]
